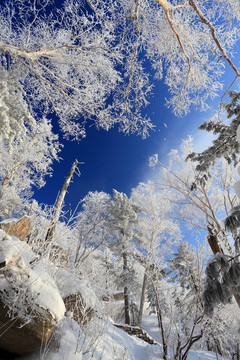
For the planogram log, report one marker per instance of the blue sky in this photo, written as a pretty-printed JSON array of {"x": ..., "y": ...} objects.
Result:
[{"x": 113, "y": 160}]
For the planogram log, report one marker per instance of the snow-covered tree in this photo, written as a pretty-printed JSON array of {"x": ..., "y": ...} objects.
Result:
[
  {"x": 28, "y": 160},
  {"x": 102, "y": 267},
  {"x": 14, "y": 111},
  {"x": 225, "y": 145},
  {"x": 157, "y": 231},
  {"x": 186, "y": 268},
  {"x": 220, "y": 332},
  {"x": 25, "y": 162},
  {"x": 204, "y": 205},
  {"x": 89, "y": 225},
  {"x": 67, "y": 58},
  {"x": 86, "y": 60},
  {"x": 123, "y": 215}
]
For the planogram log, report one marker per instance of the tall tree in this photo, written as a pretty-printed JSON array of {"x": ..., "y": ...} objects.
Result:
[
  {"x": 123, "y": 214},
  {"x": 157, "y": 231},
  {"x": 90, "y": 225}
]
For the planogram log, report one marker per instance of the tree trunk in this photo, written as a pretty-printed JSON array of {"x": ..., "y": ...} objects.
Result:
[
  {"x": 212, "y": 240},
  {"x": 58, "y": 206},
  {"x": 140, "y": 313},
  {"x": 126, "y": 299},
  {"x": 160, "y": 324},
  {"x": 6, "y": 181}
]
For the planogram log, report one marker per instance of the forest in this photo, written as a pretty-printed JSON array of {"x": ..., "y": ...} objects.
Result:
[{"x": 154, "y": 274}]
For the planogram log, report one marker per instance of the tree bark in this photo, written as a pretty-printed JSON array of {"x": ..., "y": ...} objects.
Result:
[
  {"x": 160, "y": 324},
  {"x": 126, "y": 299},
  {"x": 140, "y": 313},
  {"x": 6, "y": 181},
  {"x": 58, "y": 206}
]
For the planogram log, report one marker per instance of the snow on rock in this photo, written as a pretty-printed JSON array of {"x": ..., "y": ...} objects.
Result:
[
  {"x": 16, "y": 227},
  {"x": 15, "y": 251},
  {"x": 69, "y": 284},
  {"x": 21, "y": 285}
]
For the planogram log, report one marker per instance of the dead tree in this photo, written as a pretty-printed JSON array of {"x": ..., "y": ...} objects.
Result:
[{"x": 59, "y": 203}]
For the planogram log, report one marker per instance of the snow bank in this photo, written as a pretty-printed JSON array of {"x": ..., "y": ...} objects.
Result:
[
  {"x": 113, "y": 344},
  {"x": 68, "y": 344},
  {"x": 22, "y": 285}
]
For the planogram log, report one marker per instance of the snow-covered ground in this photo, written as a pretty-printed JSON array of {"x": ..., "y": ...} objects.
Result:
[
  {"x": 99, "y": 340},
  {"x": 151, "y": 326},
  {"x": 114, "y": 344}
]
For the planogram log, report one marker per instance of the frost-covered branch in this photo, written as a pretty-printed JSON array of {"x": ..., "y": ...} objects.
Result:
[{"x": 214, "y": 35}]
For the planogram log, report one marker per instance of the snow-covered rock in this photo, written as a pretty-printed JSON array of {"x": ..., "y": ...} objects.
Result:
[
  {"x": 29, "y": 298},
  {"x": 16, "y": 227},
  {"x": 79, "y": 298}
]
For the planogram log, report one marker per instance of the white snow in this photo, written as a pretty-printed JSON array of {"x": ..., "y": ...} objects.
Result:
[
  {"x": 8, "y": 221},
  {"x": 114, "y": 344},
  {"x": 70, "y": 343},
  {"x": 69, "y": 284},
  {"x": 47, "y": 295},
  {"x": 17, "y": 272}
]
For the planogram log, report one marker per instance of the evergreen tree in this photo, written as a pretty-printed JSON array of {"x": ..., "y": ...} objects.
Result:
[{"x": 225, "y": 145}]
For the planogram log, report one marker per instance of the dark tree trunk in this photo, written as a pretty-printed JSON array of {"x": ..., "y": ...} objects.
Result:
[
  {"x": 126, "y": 299},
  {"x": 142, "y": 299},
  {"x": 160, "y": 324}
]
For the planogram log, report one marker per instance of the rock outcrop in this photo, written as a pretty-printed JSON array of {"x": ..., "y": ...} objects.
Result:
[
  {"x": 19, "y": 228},
  {"x": 20, "y": 339},
  {"x": 76, "y": 305},
  {"x": 30, "y": 302}
]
